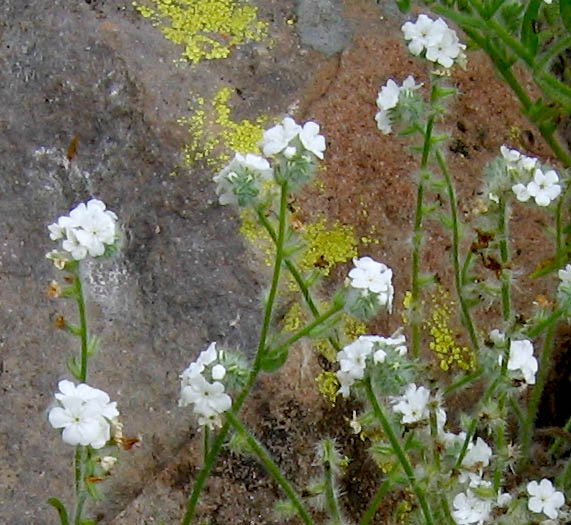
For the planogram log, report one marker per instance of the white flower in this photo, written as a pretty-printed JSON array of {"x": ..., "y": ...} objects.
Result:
[
  {"x": 565, "y": 275},
  {"x": 417, "y": 33},
  {"x": 395, "y": 343},
  {"x": 276, "y": 139},
  {"x": 510, "y": 155},
  {"x": 544, "y": 188},
  {"x": 384, "y": 121},
  {"x": 84, "y": 413},
  {"x": 478, "y": 455},
  {"x": 522, "y": 359},
  {"x": 311, "y": 140},
  {"x": 374, "y": 277},
  {"x": 469, "y": 508},
  {"x": 352, "y": 362},
  {"x": 521, "y": 192},
  {"x": 413, "y": 404},
  {"x": 72, "y": 245},
  {"x": 544, "y": 498},
  {"x": 443, "y": 44},
  {"x": 218, "y": 372},
  {"x": 389, "y": 95}
]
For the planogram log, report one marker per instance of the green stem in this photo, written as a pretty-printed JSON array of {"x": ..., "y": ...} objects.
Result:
[
  {"x": 271, "y": 467},
  {"x": 399, "y": 452},
  {"x": 80, "y": 490},
  {"x": 378, "y": 498},
  {"x": 464, "y": 381},
  {"x": 206, "y": 442},
  {"x": 417, "y": 236},
  {"x": 500, "y": 444},
  {"x": 82, "y": 323},
  {"x": 219, "y": 441},
  {"x": 536, "y": 394},
  {"x": 308, "y": 328},
  {"x": 467, "y": 441},
  {"x": 466, "y": 317},
  {"x": 332, "y": 504},
  {"x": 296, "y": 275},
  {"x": 504, "y": 257},
  {"x": 552, "y": 51}
]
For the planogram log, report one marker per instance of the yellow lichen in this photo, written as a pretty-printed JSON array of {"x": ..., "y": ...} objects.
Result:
[
  {"x": 293, "y": 319},
  {"x": 327, "y": 247},
  {"x": 208, "y": 29},
  {"x": 328, "y": 385},
  {"x": 443, "y": 341},
  {"x": 214, "y": 136}
]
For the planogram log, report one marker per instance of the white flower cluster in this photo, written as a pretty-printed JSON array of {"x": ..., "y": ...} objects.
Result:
[
  {"x": 241, "y": 178},
  {"x": 542, "y": 186},
  {"x": 353, "y": 358},
  {"x": 373, "y": 277},
  {"x": 436, "y": 38},
  {"x": 208, "y": 398},
  {"x": 87, "y": 230},
  {"x": 388, "y": 99},
  {"x": 282, "y": 139},
  {"x": 84, "y": 413}
]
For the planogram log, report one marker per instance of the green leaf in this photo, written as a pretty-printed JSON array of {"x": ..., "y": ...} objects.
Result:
[
  {"x": 92, "y": 345},
  {"x": 59, "y": 506},
  {"x": 74, "y": 367},
  {"x": 274, "y": 360},
  {"x": 510, "y": 15},
  {"x": 445, "y": 220},
  {"x": 565, "y": 10},
  {"x": 404, "y": 5},
  {"x": 529, "y": 36}
]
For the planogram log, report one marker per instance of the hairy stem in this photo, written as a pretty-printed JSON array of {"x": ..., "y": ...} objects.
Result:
[
  {"x": 399, "y": 452},
  {"x": 466, "y": 317}
]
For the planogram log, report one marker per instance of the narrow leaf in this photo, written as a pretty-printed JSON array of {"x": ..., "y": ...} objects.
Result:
[
  {"x": 273, "y": 361},
  {"x": 59, "y": 506},
  {"x": 565, "y": 10},
  {"x": 529, "y": 37}
]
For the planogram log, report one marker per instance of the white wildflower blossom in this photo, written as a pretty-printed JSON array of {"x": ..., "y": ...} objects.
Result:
[
  {"x": 84, "y": 413},
  {"x": 544, "y": 498},
  {"x": 522, "y": 359},
  {"x": 413, "y": 404},
  {"x": 478, "y": 455},
  {"x": 311, "y": 140},
  {"x": 544, "y": 187},
  {"x": 284, "y": 137},
  {"x": 352, "y": 362},
  {"x": 388, "y": 99},
  {"x": 374, "y": 277},
  {"x": 469, "y": 509}
]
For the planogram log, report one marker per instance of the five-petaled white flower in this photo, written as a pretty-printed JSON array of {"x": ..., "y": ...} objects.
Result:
[
  {"x": 478, "y": 455},
  {"x": 544, "y": 188},
  {"x": 375, "y": 277},
  {"x": 84, "y": 413},
  {"x": 276, "y": 139},
  {"x": 544, "y": 498}
]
